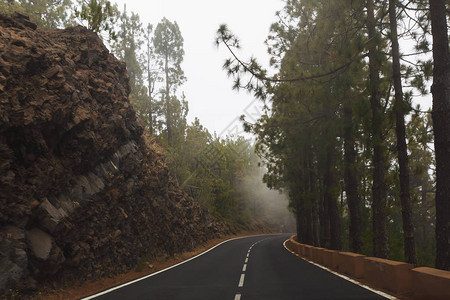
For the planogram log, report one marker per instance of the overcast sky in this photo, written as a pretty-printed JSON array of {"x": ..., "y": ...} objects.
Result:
[{"x": 208, "y": 89}]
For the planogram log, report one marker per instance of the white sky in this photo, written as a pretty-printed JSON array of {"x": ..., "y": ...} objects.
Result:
[{"x": 208, "y": 89}]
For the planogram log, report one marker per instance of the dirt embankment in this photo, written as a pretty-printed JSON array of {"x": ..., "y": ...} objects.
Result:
[{"x": 83, "y": 192}]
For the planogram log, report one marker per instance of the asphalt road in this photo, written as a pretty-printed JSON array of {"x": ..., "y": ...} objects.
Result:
[{"x": 257, "y": 267}]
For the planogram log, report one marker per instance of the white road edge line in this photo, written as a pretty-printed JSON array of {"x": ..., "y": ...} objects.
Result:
[
  {"x": 237, "y": 297},
  {"x": 156, "y": 273},
  {"x": 241, "y": 280},
  {"x": 390, "y": 297}
]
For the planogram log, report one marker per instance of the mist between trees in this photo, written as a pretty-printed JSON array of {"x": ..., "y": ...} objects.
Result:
[
  {"x": 225, "y": 175},
  {"x": 332, "y": 136}
]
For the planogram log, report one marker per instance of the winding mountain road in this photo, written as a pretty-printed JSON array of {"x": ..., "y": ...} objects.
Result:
[{"x": 257, "y": 267}]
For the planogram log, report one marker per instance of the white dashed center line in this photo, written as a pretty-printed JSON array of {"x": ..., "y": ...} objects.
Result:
[
  {"x": 241, "y": 281},
  {"x": 244, "y": 269}
]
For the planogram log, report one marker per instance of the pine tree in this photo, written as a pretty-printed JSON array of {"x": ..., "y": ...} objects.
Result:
[
  {"x": 402, "y": 151},
  {"x": 99, "y": 15},
  {"x": 168, "y": 45},
  {"x": 152, "y": 78},
  {"x": 379, "y": 213}
]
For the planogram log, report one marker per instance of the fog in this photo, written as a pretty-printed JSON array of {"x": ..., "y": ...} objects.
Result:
[{"x": 267, "y": 205}]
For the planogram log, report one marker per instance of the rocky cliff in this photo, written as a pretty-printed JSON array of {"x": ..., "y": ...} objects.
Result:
[{"x": 83, "y": 192}]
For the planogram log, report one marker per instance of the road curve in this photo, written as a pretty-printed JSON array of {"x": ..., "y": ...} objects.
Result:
[{"x": 257, "y": 267}]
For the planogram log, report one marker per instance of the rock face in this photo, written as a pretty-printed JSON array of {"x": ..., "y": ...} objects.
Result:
[{"x": 83, "y": 192}]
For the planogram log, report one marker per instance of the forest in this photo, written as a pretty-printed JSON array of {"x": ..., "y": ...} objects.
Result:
[{"x": 365, "y": 168}]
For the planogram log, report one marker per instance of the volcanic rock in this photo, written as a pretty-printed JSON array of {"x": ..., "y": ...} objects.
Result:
[{"x": 84, "y": 192}]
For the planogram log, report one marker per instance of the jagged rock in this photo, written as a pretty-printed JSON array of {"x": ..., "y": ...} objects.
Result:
[
  {"x": 13, "y": 258},
  {"x": 10, "y": 272},
  {"x": 46, "y": 257},
  {"x": 50, "y": 216},
  {"x": 77, "y": 171},
  {"x": 20, "y": 257},
  {"x": 40, "y": 243}
]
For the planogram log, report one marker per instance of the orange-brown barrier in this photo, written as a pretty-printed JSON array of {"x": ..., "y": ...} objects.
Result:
[
  {"x": 317, "y": 255},
  {"x": 429, "y": 283},
  {"x": 307, "y": 251},
  {"x": 391, "y": 276},
  {"x": 330, "y": 259},
  {"x": 351, "y": 264},
  {"x": 396, "y": 278}
]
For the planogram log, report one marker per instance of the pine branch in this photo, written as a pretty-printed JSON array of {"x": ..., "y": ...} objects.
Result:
[{"x": 258, "y": 72}]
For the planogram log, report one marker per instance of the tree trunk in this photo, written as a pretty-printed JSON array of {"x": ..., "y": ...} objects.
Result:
[
  {"x": 168, "y": 110},
  {"x": 350, "y": 180},
  {"x": 316, "y": 225},
  {"x": 149, "y": 105},
  {"x": 402, "y": 151},
  {"x": 150, "y": 84},
  {"x": 331, "y": 199},
  {"x": 298, "y": 219},
  {"x": 324, "y": 222},
  {"x": 380, "y": 240},
  {"x": 306, "y": 193},
  {"x": 314, "y": 204},
  {"x": 423, "y": 215},
  {"x": 298, "y": 225},
  {"x": 304, "y": 229},
  {"x": 309, "y": 228},
  {"x": 441, "y": 127}
]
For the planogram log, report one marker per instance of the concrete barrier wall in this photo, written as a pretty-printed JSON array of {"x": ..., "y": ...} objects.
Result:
[
  {"x": 429, "y": 283},
  {"x": 351, "y": 264},
  {"x": 392, "y": 276},
  {"x": 331, "y": 259},
  {"x": 292, "y": 245},
  {"x": 302, "y": 250},
  {"x": 397, "y": 278},
  {"x": 317, "y": 255}
]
